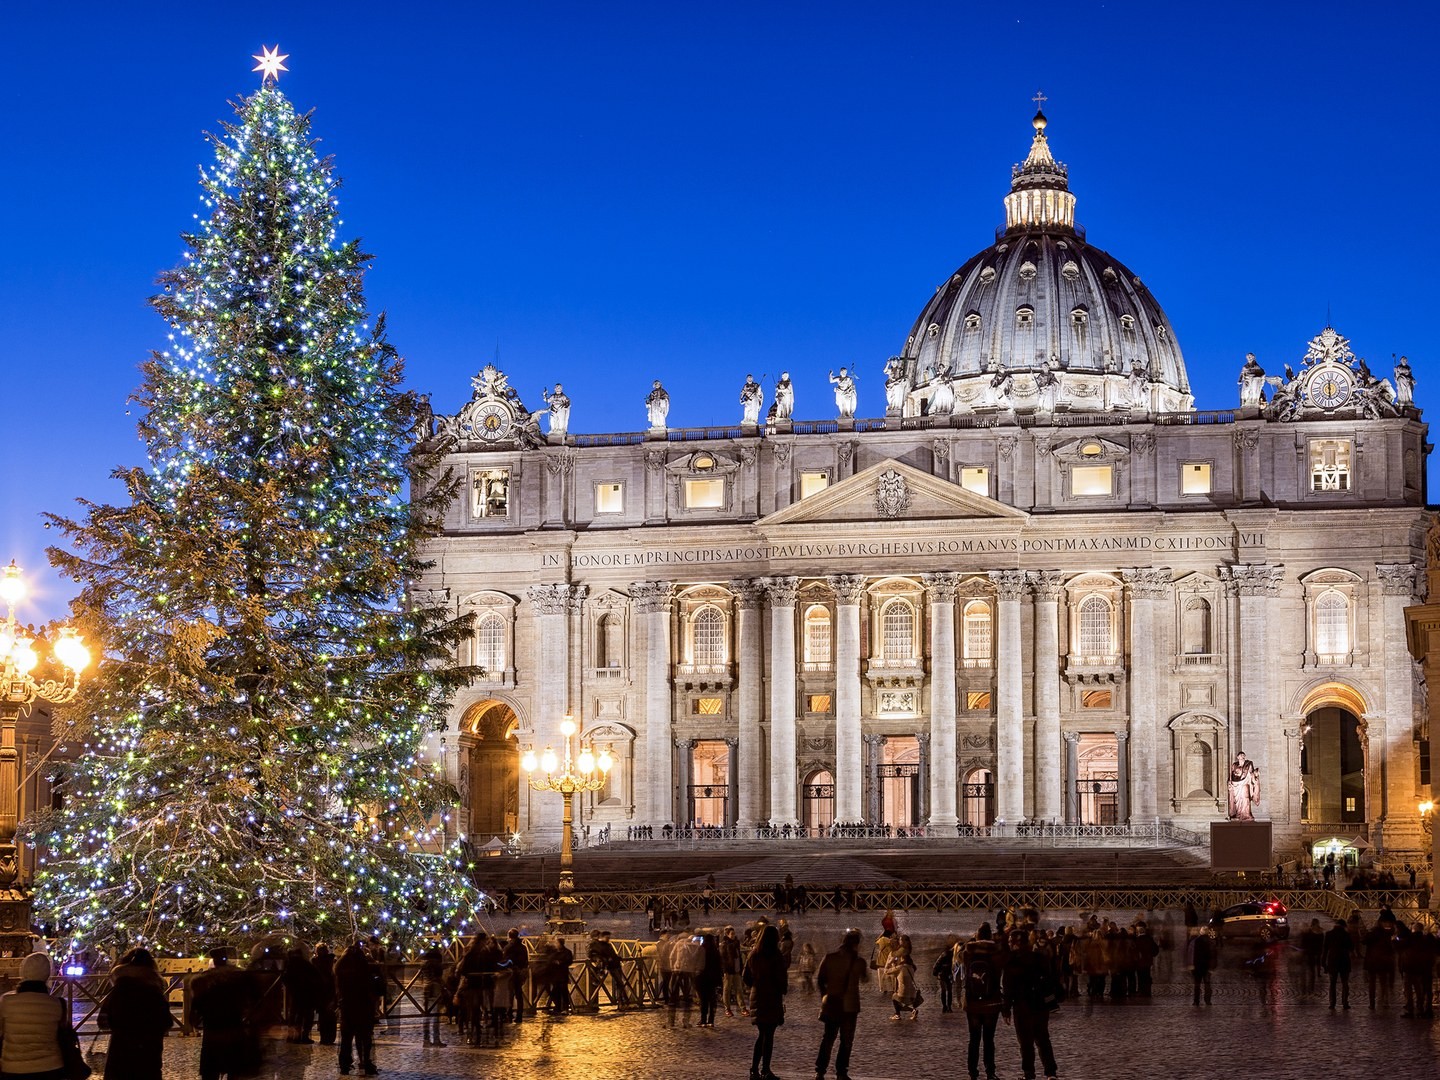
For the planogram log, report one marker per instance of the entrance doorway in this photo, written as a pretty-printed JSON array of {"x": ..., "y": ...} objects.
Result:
[
  {"x": 491, "y": 782},
  {"x": 900, "y": 781},
  {"x": 709, "y": 782},
  {"x": 1097, "y": 779},
  {"x": 1332, "y": 764},
  {"x": 819, "y": 800},
  {"x": 978, "y": 799}
]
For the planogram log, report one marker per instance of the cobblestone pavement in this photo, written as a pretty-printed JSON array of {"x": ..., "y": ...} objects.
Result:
[{"x": 1163, "y": 1036}]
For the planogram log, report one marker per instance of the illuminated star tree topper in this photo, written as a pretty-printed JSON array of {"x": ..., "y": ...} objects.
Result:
[{"x": 272, "y": 62}]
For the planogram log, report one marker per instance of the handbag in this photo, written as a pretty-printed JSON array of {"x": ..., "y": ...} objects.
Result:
[
  {"x": 919, "y": 998},
  {"x": 72, "y": 1057}
]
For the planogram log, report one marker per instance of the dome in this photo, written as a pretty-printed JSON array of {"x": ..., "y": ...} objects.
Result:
[{"x": 1040, "y": 321}]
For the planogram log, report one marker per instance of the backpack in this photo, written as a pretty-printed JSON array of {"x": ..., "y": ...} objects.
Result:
[{"x": 982, "y": 979}]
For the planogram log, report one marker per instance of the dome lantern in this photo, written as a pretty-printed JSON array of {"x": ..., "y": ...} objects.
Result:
[{"x": 1039, "y": 189}]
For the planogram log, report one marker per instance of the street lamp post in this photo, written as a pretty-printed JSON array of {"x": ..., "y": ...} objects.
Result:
[
  {"x": 584, "y": 773},
  {"x": 18, "y": 692}
]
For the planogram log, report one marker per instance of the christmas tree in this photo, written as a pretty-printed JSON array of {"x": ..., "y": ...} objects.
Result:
[{"x": 253, "y": 736}]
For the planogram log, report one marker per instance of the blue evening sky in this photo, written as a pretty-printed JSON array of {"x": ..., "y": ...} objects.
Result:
[{"x": 612, "y": 193}]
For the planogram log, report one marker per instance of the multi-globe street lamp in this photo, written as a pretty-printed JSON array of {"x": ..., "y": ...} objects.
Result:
[
  {"x": 567, "y": 776},
  {"x": 19, "y": 689}
]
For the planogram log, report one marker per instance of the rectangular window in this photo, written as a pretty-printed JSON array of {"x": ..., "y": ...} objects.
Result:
[
  {"x": 976, "y": 478},
  {"x": 1091, "y": 480},
  {"x": 817, "y": 703},
  {"x": 1349, "y": 804},
  {"x": 704, "y": 494},
  {"x": 1424, "y": 762},
  {"x": 609, "y": 498},
  {"x": 1331, "y": 463},
  {"x": 1096, "y": 699},
  {"x": 707, "y": 706},
  {"x": 1195, "y": 478},
  {"x": 813, "y": 482},
  {"x": 977, "y": 700},
  {"x": 490, "y": 494}
]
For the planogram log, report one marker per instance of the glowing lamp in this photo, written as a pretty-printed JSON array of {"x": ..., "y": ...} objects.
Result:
[
  {"x": 71, "y": 651},
  {"x": 12, "y": 585},
  {"x": 548, "y": 760},
  {"x": 586, "y": 760},
  {"x": 605, "y": 761},
  {"x": 567, "y": 727},
  {"x": 1426, "y": 807},
  {"x": 527, "y": 761},
  {"x": 24, "y": 657}
]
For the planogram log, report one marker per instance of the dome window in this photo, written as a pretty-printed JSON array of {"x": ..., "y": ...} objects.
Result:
[
  {"x": 1024, "y": 318},
  {"x": 1027, "y": 271},
  {"x": 972, "y": 321},
  {"x": 1079, "y": 318},
  {"x": 933, "y": 330},
  {"x": 987, "y": 276},
  {"x": 1070, "y": 272},
  {"x": 1127, "y": 323},
  {"x": 1160, "y": 332}
]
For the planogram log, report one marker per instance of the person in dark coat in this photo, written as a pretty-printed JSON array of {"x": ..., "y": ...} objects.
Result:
[
  {"x": 324, "y": 964},
  {"x": 139, "y": 1013},
  {"x": 1339, "y": 947},
  {"x": 301, "y": 988},
  {"x": 841, "y": 974},
  {"x": 519, "y": 957},
  {"x": 222, "y": 1000},
  {"x": 1023, "y": 985},
  {"x": 359, "y": 985},
  {"x": 560, "y": 977},
  {"x": 433, "y": 995},
  {"x": 767, "y": 977},
  {"x": 707, "y": 983}
]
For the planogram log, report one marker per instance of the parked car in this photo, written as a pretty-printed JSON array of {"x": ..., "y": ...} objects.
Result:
[{"x": 1261, "y": 920}]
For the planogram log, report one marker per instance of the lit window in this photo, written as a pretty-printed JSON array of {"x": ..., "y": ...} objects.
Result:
[
  {"x": 1091, "y": 480},
  {"x": 1349, "y": 804},
  {"x": 977, "y": 700},
  {"x": 490, "y": 644},
  {"x": 897, "y": 623},
  {"x": 977, "y": 630},
  {"x": 1330, "y": 464},
  {"x": 817, "y": 703},
  {"x": 817, "y": 635},
  {"x": 813, "y": 482},
  {"x": 1332, "y": 625},
  {"x": 1095, "y": 627},
  {"x": 490, "y": 494},
  {"x": 708, "y": 630},
  {"x": 976, "y": 478},
  {"x": 707, "y": 706},
  {"x": 1195, "y": 478},
  {"x": 609, "y": 498},
  {"x": 704, "y": 494},
  {"x": 1096, "y": 699}
]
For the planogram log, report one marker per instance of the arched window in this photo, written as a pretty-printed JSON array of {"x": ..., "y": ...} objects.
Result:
[
  {"x": 609, "y": 650},
  {"x": 1095, "y": 627},
  {"x": 708, "y": 630},
  {"x": 1332, "y": 624},
  {"x": 1195, "y": 626},
  {"x": 490, "y": 645},
  {"x": 897, "y": 628},
  {"x": 817, "y": 635},
  {"x": 977, "y": 639}
]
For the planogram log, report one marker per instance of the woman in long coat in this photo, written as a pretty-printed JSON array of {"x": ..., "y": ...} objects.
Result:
[
  {"x": 901, "y": 969},
  {"x": 139, "y": 1017},
  {"x": 768, "y": 980}
]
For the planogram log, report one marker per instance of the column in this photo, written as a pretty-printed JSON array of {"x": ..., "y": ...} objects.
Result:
[
  {"x": 1072, "y": 776},
  {"x": 849, "y": 766},
  {"x": 1397, "y": 793},
  {"x": 1122, "y": 775},
  {"x": 1148, "y": 587},
  {"x": 684, "y": 749},
  {"x": 745, "y": 781},
  {"x": 652, "y": 604},
  {"x": 550, "y": 607},
  {"x": 940, "y": 589},
  {"x": 732, "y": 781},
  {"x": 927, "y": 766},
  {"x": 1049, "y": 784},
  {"x": 1009, "y": 707},
  {"x": 874, "y": 745},
  {"x": 781, "y": 593},
  {"x": 1255, "y": 584}
]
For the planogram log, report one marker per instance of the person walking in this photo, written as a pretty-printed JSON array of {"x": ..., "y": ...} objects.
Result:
[
  {"x": 981, "y": 963},
  {"x": 1025, "y": 984},
  {"x": 841, "y": 974},
  {"x": 359, "y": 989},
  {"x": 222, "y": 1000},
  {"x": 324, "y": 963},
  {"x": 805, "y": 963},
  {"x": 33, "y": 1025},
  {"x": 301, "y": 989},
  {"x": 1338, "y": 950},
  {"x": 1380, "y": 962},
  {"x": 139, "y": 1013},
  {"x": 519, "y": 958},
  {"x": 432, "y": 992},
  {"x": 906, "y": 995},
  {"x": 944, "y": 971},
  {"x": 1312, "y": 949},
  {"x": 765, "y": 975}
]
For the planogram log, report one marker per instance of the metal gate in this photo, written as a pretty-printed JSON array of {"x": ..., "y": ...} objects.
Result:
[
  {"x": 709, "y": 804},
  {"x": 978, "y": 805},
  {"x": 908, "y": 772},
  {"x": 1098, "y": 797},
  {"x": 819, "y": 805}
]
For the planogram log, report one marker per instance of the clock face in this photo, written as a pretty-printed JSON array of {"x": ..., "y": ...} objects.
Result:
[
  {"x": 1330, "y": 388},
  {"x": 492, "y": 421}
]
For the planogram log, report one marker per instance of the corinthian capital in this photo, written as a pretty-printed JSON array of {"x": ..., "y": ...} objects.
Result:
[
  {"x": 941, "y": 587},
  {"x": 1398, "y": 579},
  {"x": 848, "y": 587},
  {"x": 748, "y": 593},
  {"x": 1148, "y": 583},
  {"x": 1253, "y": 579},
  {"x": 549, "y": 599},
  {"x": 1009, "y": 584},
  {"x": 1048, "y": 584},
  {"x": 650, "y": 596},
  {"x": 782, "y": 591}
]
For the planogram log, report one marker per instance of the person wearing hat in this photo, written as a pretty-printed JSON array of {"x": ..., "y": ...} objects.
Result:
[{"x": 32, "y": 1023}]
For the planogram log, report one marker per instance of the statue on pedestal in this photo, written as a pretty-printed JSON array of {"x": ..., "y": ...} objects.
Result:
[
  {"x": 846, "y": 397},
  {"x": 1404, "y": 383},
  {"x": 1252, "y": 383},
  {"x": 657, "y": 406},
  {"x": 1244, "y": 788},
  {"x": 896, "y": 386},
  {"x": 784, "y": 406},
  {"x": 752, "y": 397},
  {"x": 942, "y": 401},
  {"x": 559, "y": 404}
]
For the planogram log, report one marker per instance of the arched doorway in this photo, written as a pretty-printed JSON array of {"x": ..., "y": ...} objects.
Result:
[
  {"x": 1332, "y": 765},
  {"x": 1097, "y": 779},
  {"x": 978, "y": 793},
  {"x": 818, "y": 804},
  {"x": 490, "y": 781},
  {"x": 709, "y": 785},
  {"x": 899, "y": 773}
]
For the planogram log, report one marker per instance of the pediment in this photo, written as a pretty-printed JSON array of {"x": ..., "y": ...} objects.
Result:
[{"x": 892, "y": 491}]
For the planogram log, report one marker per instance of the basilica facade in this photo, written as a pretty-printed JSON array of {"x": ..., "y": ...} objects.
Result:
[{"x": 1042, "y": 588}]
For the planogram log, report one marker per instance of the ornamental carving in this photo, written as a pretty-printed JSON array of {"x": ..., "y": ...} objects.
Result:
[
  {"x": 1141, "y": 445},
  {"x": 977, "y": 742},
  {"x": 892, "y": 494},
  {"x": 560, "y": 464},
  {"x": 1048, "y": 584},
  {"x": 941, "y": 587},
  {"x": 847, "y": 451},
  {"x": 577, "y": 598},
  {"x": 655, "y": 460},
  {"x": 782, "y": 451},
  {"x": 781, "y": 591},
  {"x": 1006, "y": 446},
  {"x": 942, "y": 450},
  {"x": 651, "y": 596},
  {"x": 1398, "y": 579},
  {"x": 1246, "y": 440},
  {"x": 748, "y": 593},
  {"x": 550, "y": 599},
  {"x": 1253, "y": 579},
  {"x": 1009, "y": 584},
  {"x": 848, "y": 588},
  {"x": 747, "y": 456},
  {"x": 1148, "y": 583}
]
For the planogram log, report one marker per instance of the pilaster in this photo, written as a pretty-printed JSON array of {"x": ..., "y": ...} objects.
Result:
[
  {"x": 940, "y": 588},
  {"x": 652, "y": 605}
]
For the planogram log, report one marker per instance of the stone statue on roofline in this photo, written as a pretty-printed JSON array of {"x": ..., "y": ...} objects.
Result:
[
  {"x": 558, "y": 403},
  {"x": 752, "y": 398},
  {"x": 846, "y": 397},
  {"x": 1252, "y": 383},
  {"x": 657, "y": 406}
]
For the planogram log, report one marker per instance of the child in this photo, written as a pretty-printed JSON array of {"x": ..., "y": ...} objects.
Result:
[{"x": 807, "y": 967}]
